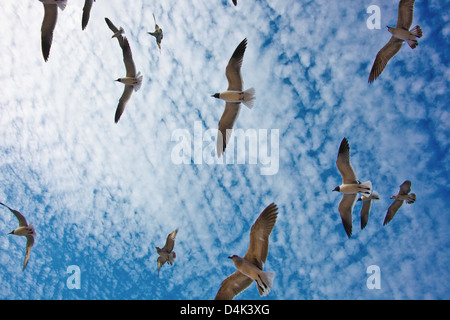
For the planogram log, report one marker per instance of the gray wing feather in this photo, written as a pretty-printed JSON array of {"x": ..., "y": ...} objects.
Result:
[
  {"x": 19, "y": 216},
  {"x": 128, "y": 58},
  {"x": 233, "y": 285},
  {"x": 383, "y": 57},
  {"x": 365, "y": 210},
  {"x": 226, "y": 124},
  {"x": 86, "y": 13},
  {"x": 233, "y": 70},
  {"x": 392, "y": 210},
  {"x": 345, "y": 210},
  {"x": 405, "y": 14},
  {"x": 343, "y": 163},
  {"x": 30, "y": 243},
  {"x": 127, "y": 91},
  {"x": 48, "y": 25}
]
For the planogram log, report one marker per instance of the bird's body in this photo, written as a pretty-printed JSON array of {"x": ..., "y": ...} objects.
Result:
[
  {"x": 403, "y": 195},
  {"x": 400, "y": 34},
  {"x": 249, "y": 268},
  {"x": 350, "y": 186},
  {"x": 166, "y": 253},
  {"x": 24, "y": 229}
]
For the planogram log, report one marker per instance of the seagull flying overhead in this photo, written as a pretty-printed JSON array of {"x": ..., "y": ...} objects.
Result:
[
  {"x": 24, "y": 229},
  {"x": 365, "y": 209},
  {"x": 49, "y": 23},
  {"x": 250, "y": 267},
  {"x": 167, "y": 253},
  {"x": 86, "y": 13},
  {"x": 158, "y": 34},
  {"x": 117, "y": 32},
  {"x": 233, "y": 97},
  {"x": 402, "y": 195},
  {"x": 400, "y": 34},
  {"x": 350, "y": 186},
  {"x": 132, "y": 80}
]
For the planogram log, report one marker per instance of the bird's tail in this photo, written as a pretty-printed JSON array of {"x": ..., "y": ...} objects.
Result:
[
  {"x": 411, "y": 198},
  {"x": 265, "y": 282},
  {"x": 62, "y": 4},
  {"x": 32, "y": 231},
  {"x": 412, "y": 43},
  {"x": 249, "y": 98},
  {"x": 375, "y": 195},
  {"x": 137, "y": 86},
  {"x": 365, "y": 188},
  {"x": 416, "y": 31}
]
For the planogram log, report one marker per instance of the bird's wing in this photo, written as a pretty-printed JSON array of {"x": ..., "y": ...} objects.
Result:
[
  {"x": 233, "y": 70},
  {"x": 383, "y": 57},
  {"x": 259, "y": 236},
  {"x": 343, "y": 163},
  {"x": 86, "y": 13},
  {"x": 233, "y": 285},
  {"x": 345, "y": 209},
  {"x": 128, "y": 58},
  {"x": 127, "y": 91},
  {"x": 160, "y": 261},
  {"x": 405, "y": 14},
  {"x": 226, "y": 124},
  {"x": 365, "y": 210},
  {"x": 111, "y": 25},
  {"x": 48, "y": 25},
  {"x": 170, "y": 241},
  {"x": 19, "y": 216},
  {"x": 30, "y": 243},
  {"x": 392, "y": 210},
  {"x": 235, "y": 2},
  {"x": 405, "y": 188}
]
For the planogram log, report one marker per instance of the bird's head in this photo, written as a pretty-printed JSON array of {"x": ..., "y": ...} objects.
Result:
[
  {"x": 215, "y": 95},
  {"x": 389, "y": 28},
  {"x": 232, "y": 257},
  {"x": 118, "y": 79},
  {"x": 337, "y": 189},
  {"x": 158, "y": 249}
]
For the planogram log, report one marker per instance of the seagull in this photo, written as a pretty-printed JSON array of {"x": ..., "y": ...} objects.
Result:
[
  {"x": 158, "y": 34},
  {"x": 167, "y": 253},
  {"x": 24, "y": 229},
  {"x": 132, "y": 80},
  {"x": 233, "y": 97},
  {"x": 250, "y": 267},
  {"x": 86, "y": 13},
  {"x": 365, "y": 209},
  {"x": 350, "y": 186},
  {"x": 117, "y": 32},
  {"x": 400, "y": 34},
  {"x": 402, "y": 195},
  {"x": 49, "y": 23}
]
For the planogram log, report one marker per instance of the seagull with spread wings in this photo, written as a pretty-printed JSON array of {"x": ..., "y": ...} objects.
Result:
[
  {"x": 158, "y": 34},
  {"x": 350, "y": 186},
  {"x": 250, "y": 267},
  {"x": 166, "y": 254},
  {"x": 49, "y": 23},
  {"x": 402, "y": 195},
  {"x": 400, "y": 34},
  {"x": 132, "y": 80},
  {"x": 24, "y": 229},
  {"x": 233, "y": 97}
]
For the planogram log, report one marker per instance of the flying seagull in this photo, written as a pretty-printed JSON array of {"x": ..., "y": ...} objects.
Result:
[
  {"x": 86, "y": 13},
  {"x": 24, "y": 229},
  {"x": 402, "y": 195},
  {"x": 400, "y": 34},
  {"x": 365, "y": 209},
  {"x": 250, "y": 267},
  {"x": 117, "y": 33},
  {"x": 132, "y": 80},
  {"x": 350, "y": 186},
  {"x": 233, "y": 97},
  {"x": 49, "y": 23},
  {"x": 167, "y": 253},
  {"x": 158, "y": 34}
]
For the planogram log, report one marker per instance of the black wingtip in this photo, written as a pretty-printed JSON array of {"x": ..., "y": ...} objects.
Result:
[{"x": 344, "y": 147}]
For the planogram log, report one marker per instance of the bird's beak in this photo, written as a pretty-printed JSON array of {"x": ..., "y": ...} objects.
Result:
[
  {"x": 229, "y": 257},
  {"x": 11, "y": 232}
]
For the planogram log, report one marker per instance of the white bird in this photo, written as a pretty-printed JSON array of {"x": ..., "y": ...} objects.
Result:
[
  {"x": 166, "y": 254},
  {"x": 132, "y": 80},
  {"x": 49, "y": 23},
  {"x": 350, "y": 186},
  {"x": 24, "y": 229},
  {"x": 365, "y": 209},
  {"x": 233, "y": 97},
  {"x": 400, "y": 34},
  {"x": 117, "y": 32},
  {"x": 250, "y": 267},
  {"x": 402, "y": 195},
  {"x": 86, "y": 13}
]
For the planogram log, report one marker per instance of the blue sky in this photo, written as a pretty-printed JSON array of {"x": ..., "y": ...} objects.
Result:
[{"x": 102, "y": 195}]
